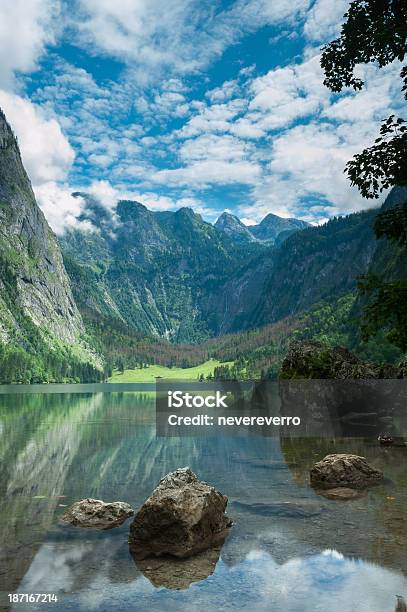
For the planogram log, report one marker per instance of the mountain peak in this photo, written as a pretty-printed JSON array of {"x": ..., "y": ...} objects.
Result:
[
  {"x": 186, "y": 211},
  {"x": 6, "y": 133},
  {"x": 129, "y": 210},
  {"x": 188, "y": 215},
  {"x": 233, "y": 227},
  {"x": 273, "y": 226}
]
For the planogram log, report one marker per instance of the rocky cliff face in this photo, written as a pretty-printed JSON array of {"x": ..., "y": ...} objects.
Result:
[{"x": 33, "y": 281}]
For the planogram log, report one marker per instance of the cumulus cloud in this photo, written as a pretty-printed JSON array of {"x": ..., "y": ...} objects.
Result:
[
  {"x": 286, "y": 94},
  {"x": 46, "y": 152},
  {"x": 323, "y": 22},
  {"x": 281, "y": 136},
  {"x": 184, "y": 36},
  {"x": 26, "y": 27},
  {"x": 208, "y": 172},
  {"x": 213, "y": 146}
]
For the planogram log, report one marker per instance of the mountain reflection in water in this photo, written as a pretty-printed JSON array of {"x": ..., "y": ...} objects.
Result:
[{"x": 290, "y": 549}]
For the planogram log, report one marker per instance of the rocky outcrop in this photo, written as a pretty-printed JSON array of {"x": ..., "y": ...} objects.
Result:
[
  {"x": 315, "y": 360},
  {"x": 97, "y": 514},
  {"x": 182, "y": 517},
  {"x": 344, "y": 470}
]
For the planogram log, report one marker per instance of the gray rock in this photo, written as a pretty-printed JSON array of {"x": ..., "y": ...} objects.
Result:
[
  {"x": 344, "y": 470},
  {"x": 182, "y": 517},
  {"x": 97, "y": 514}
]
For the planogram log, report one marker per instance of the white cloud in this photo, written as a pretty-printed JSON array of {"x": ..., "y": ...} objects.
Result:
[
  {"x": 46, "y": 152},
  {"x": 214, "y": 118},
  {"x": 216, "y": 147},
  {"x": 305, "y": 177},
  {"x": 324, "y": 20},
  {"x": 226, "y": 91},
  {"x": 105, "y": 193},
  {"x": 286, "y": 94},
  {"x": 60, "y": 208},
  {"x": 281, "y": 134},
  {"x": 26, "y": 27},
  {"x": 373, "y": 103},
  {"x": 208, "y": 172},
  {"x": 181, "y": 36}
]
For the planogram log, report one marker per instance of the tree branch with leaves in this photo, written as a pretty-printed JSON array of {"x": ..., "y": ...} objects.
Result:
[{"x": 375, "y": 31}]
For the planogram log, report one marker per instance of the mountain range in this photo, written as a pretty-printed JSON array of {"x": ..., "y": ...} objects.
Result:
[
  {"x": 173, "y": 275},
  {"x": 166, "y": 275},
  {"x": 272, "y": 229}
]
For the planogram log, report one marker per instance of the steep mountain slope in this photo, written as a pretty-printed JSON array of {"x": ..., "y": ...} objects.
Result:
[
  {"x": 312, "y": 265},
  {"x": 37, "y": 308},
  {"x": 156, "y": 272}
]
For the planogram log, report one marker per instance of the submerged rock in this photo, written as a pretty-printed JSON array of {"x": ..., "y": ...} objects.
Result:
[
  {"x": 343, "y": 493},
  {"x": 97, "y": 514},
  {"x": 182, "y": 517},
  {"x": 344, "y": 470}
]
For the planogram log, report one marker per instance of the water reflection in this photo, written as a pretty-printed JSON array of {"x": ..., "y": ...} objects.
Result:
[
  {"x": 56, "y": 449},
  {"x": 325, "y": 582},
  {"x": 173, "y": 573}
]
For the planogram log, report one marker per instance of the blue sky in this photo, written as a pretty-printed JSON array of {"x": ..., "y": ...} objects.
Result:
[{"x": 217, "y": 105}]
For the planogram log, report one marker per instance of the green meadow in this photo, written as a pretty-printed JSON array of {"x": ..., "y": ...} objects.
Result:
[{"x": 151, "y": 372}]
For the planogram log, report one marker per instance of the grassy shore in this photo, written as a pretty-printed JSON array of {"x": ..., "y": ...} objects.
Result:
[{"x": 150, "y": 373}]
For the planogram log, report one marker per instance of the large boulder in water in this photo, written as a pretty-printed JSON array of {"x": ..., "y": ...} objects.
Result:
[
  {"x": 97, "y": 514},
  {"x": 344, "y": 470},
  {"x": 183, "y": 516}
]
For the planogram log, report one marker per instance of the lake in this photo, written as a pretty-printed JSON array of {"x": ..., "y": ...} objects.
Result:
[{"x": 290, "y": 549}]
